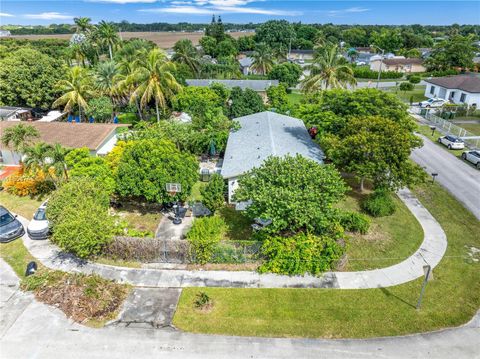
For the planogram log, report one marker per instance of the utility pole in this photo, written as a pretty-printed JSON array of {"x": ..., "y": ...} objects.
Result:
[
  {"x": 381, "y": 63},
  {"x": 427, "y": 269}
]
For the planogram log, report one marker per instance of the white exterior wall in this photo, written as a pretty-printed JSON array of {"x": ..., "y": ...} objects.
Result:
[
  {"x": 453, "y": 95},
  {"x": 232, "y": 186},
  {"x": 10, "y": 158}
]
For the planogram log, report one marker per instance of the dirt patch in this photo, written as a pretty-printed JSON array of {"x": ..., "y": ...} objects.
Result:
[
  {"x": 82, "y": 298},
  {"x": 164, "y": 40}
]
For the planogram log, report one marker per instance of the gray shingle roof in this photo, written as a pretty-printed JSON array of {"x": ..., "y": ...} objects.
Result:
[
  {"x": 469, "y": 83},
  {"x": 246, "y": 62},
  {"x": 256, "y": 85},
  {"x": 266, "y": 134}
]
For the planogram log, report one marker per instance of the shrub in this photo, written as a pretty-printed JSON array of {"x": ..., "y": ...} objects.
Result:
[
  {"x": 354, "y": 222},
  {"x": 202, "y": 300},
  {"x": 406, "y": 86},
  {"x": 213, "y": 193},
  {"x": 27, "y": 184},
  {"x": 414, "y": 79},
  {"x": 300, "y": 254},
  {"x": 204, "y": 237},
  {"x": 78, "y": 213},
  {"x": 379, "y": 204}
]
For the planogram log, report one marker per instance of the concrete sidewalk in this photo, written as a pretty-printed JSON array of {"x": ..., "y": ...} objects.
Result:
[
  {"x": 430, "y": 252},
  {"x": 41, "y": 331}
]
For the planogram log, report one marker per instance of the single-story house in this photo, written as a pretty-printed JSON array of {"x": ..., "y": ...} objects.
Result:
[
  {"x": 5, "y": 33},
  {"x": 460, "y": 89},
  {"x": 259, "y": 86},
  {"x": 245, "y": 65},
  {"x": 99, "y": 138},
  {"x": 298, "y": 54},
  {"x": 409, "y": 65},
  {"x": 260, "y": 136},
  {"x": 10, "y": 113}
]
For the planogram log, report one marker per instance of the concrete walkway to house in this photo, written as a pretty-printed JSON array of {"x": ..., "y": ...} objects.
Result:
[
  {"x": 430, "y": 252},
  {"x": 30, "y": 329}
]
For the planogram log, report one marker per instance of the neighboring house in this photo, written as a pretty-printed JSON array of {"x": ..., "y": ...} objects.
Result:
[
  {"x": 5, "y": 33},
  {"x": 245, "y": 65},
  {"x": 409, "y": 65},
  {"x": 301, "y": 55},
  {"x": 9, "y": 113},
  {"x": 260, "y": 136},
  {"x": 99, "y": 138},
  {"x": 459, "y": 89},
  {"x": 260, "y": 86}
]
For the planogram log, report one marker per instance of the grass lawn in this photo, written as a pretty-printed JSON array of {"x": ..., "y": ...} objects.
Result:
[
  {"x": 24, "y": 206},
  {"x": 417, "y": 93},
  {"x": 140, "y": 218},
  {"x": 295, "y": 97},
  {"x": 450, "y": 299},
  {"x": 389, "y": 240},
  {"x": 471, "y": 127},
  {"x": 195, "y": 195},
  {"x": 239, "y": 226}
]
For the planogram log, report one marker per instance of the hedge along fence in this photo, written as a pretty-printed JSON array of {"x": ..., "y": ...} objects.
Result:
[
  {"x": 150, "y": 250},
  {"x": 366, "y": 73}
]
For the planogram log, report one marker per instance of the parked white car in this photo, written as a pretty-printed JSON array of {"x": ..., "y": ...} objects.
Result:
[
  {"x": 452, "y": 142},
  {"x": 39, "y": 227},
  {"x": 473, "y": 157},
  {"x": 433, "y": 102}
]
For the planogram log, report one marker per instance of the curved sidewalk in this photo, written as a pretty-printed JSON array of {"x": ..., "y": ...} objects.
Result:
[{"x": 430, "y": 252}]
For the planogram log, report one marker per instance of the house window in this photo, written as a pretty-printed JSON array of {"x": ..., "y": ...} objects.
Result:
[
  {"x": 463, "y": 97},
  {"x": 452, "y": 95},
  {"x": 432, "y": 90}
]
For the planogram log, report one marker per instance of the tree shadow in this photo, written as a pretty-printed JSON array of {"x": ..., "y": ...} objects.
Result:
[{"x": 390, "y": 294}]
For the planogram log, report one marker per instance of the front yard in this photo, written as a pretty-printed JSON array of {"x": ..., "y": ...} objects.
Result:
[{"x": 450, "y": 299}]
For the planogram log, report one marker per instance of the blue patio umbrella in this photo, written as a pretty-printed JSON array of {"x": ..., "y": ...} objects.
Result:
[
  {"x": 91, "y": 119},
  {"x": 115, "y": 119},
  {"x": 70, "y": 118}
]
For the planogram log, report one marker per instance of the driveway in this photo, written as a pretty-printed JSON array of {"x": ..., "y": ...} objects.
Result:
[
  {"x": 35, "y": 330},
  {"x": 459, "y": 178}
]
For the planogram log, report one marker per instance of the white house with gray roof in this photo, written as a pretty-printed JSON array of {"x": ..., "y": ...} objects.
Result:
[
  {"x": 459, "y": 89},
  {"x": 262, "y": 135}
]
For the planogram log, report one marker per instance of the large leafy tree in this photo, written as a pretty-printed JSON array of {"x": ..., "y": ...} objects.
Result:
[
  {"x": 296, "y": 193},
  {"x": 277, "y": 98},
  {"x": 376, "y": 149},
  {"x": 328, "y": 70},
  {"x": 186, "y": 53},
  {"x": 244, "y": 102},
  {"x": 196, "y": 101},
  {"x": 355, "y": 36},
  {"x": 389, "y": 40},
  {"x": 287, "y": 73},
  {"x": 154, "y": 79},
  {"x": 276, "y": 34},
  {"x": 456, "y": 52},
  {"x": 28, "y": 78},
  {"x": 146, "y": 166},
  {"x": 77, "y": 88},
  {"x": 263, "y": 59}
]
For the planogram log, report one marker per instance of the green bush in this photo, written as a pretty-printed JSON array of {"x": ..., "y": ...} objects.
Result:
[
  {"x": 414, "y": 79},
  {"x": 300, "y": 254},
  {"x": 406, "y": 86},
  {"x": 379, "y": 204},
  {"x": 202, "y": 300},
  {"x": 441, "y": 73},
  {"x": 366, "y": 73},
  {"x": 78, "y": 213},
  {"x": 204, "y": 237},
  {"x": 213, "y": 193},
  {"x": 354, "y": 222}
]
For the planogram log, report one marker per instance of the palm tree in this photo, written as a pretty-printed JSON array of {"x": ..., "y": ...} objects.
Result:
[
  {"x": 186, "y": 53},
  {"x": 76, "y": 89},
  {"x": 262, "y": 59},
  {"x": 36, "y": 157},
  {"x": 108, "y": 36},
  {"x": 328, "y": 70},
  {"x": 105, "y": 78},
  {"x": 18, "y": 137},
  {"x": 154, "y": 79},
  {"x": 56, "y": 160},
  {"x": 82, "y": 24},
  {"x": 124, "y": 82}
]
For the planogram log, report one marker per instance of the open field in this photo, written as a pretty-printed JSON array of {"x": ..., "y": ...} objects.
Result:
[
  {"x": 450, "y": 299},
  {"x": 164, "y": 40}
]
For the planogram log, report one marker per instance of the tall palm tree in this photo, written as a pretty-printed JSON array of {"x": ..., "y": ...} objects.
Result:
[
  {"x": 76, "y": 89},
  {"x": 82, "y": 24},
  {"x": 19, "y": 137},
  {"x": 263, "y": 59},
  {"x": 36, "y": 157},
  {"x": 105, "y": 78},
  {"x": 108, "y": 36},
  {"x": 125, "y": 83},
  {"x": 154, "y": 79},
  {"x": 328, "y": 70},
  {"x": 186, "y": 53},
  {"x": 56, "y": 160}
]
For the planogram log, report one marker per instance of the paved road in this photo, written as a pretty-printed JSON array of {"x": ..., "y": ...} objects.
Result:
[
  {"x": 29, "y": 329},
  {"x": 458, "y": 177}
]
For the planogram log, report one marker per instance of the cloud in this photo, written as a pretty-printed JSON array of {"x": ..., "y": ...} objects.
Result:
[
  {"x": 337, "y": 13},
  {"x": 202, "y": 7},
  {"x": 4, "y": 14},
  {"x": 48, "y": 16}
]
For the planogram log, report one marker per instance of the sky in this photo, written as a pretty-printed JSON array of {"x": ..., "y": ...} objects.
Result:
[{"x": 436, "y": 12}]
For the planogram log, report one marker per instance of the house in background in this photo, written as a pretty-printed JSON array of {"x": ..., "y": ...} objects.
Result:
[
  {"x": 10, "y": 113},
  {"x": 259, "y": 86},
  {"x": 245, "y": 65},
  {"x": 260, "y": 136},
  {"x": 398, "y": 64},
  {"x": 99, "y": 138},
  {"x": 459, "y": 89},
  {"x": 5, "y": 33}
]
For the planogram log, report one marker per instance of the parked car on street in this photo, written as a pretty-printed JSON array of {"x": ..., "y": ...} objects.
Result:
[
  {"x": 10, "y": 226},
  {"x": 452, "y": 142},
  {"x": 433, "y": 102},
  {"x": 473, "y": 157},
  {"x": 39, "y": 227}
]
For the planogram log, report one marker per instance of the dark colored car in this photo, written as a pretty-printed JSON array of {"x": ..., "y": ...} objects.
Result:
[{"x": 10, "y": 226}]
